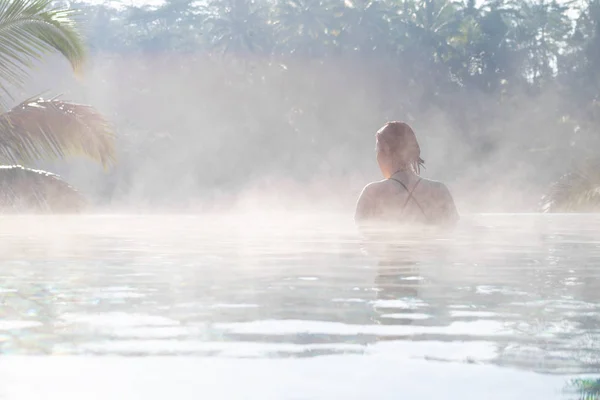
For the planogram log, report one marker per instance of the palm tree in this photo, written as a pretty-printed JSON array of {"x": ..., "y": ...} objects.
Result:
[
  {"x": 29, "y": 189},
  {"x": 40, "y": 128},
  {"x": 366, "y": 26},
  {"x": 587, "y": 388},
  {"x": 425, "y": 30},
  {"x": 575, "y": 191},
  {"x": 307, "y": 27},
  {"x": 238, "y": 26},
  {"x": 544, "y": 30}
]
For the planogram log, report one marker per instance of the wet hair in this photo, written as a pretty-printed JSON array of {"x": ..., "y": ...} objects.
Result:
[{"x": 398, "y": 140}]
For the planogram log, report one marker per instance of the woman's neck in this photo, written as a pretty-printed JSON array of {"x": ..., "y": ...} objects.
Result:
[{"x": 404, "y": 171}]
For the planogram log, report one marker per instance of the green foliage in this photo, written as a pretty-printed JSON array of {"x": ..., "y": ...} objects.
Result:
[
  {"x": 29, "y": 29},
  {"x": 522, "y": 76},
  {"x": 37, "y": 128},
  {"x": 500, "y": 45},
  {"x": 25, "y": 189},
  {"x": 46, "y": 129},
  {"x": 586, "y": 389},
  {"x": 576, "y": 191},
  {"x": 34, "y": 129}
]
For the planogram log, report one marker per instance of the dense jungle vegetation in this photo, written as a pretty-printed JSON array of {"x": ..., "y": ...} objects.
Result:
[{"x": 230, "y": 96}]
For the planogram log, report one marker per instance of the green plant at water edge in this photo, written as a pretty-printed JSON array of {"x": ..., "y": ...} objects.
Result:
[
  {"x": 576, "y": 191},
  {"x": 586, "y": 389},
  {"x": 44, "y": 128},
  {"x": 25, "y": 189}
]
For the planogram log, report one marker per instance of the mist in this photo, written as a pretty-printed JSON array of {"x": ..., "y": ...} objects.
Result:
[{"x": 205, "y": 130}]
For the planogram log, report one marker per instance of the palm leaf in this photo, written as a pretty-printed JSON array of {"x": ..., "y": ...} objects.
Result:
[
  {"x": 586, "y": 388},
  {"x": 29, "y": 29},
  {"x": 50, "y": 129},
  {"x": 576, "y": 191},
  {"x": 28, "y": 190}
]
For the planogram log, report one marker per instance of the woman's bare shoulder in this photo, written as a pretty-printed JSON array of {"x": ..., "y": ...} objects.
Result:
[
  {"x": 376, "y": 187},
  {"x": 443, "y": 200},
  {"x": 433, "y": 184}
]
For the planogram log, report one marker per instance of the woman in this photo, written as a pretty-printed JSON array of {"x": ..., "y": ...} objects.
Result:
[{"x": 403, "y": 196}]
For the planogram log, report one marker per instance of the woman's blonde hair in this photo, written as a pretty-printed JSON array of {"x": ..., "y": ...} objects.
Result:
[{"x": 397, "y": 139}]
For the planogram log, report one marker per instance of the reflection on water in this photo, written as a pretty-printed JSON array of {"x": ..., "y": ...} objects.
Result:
[{"x": 520, "y": 291}]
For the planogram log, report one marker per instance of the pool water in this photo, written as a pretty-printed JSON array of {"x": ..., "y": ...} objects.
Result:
[{"x": 296, "y": 307}]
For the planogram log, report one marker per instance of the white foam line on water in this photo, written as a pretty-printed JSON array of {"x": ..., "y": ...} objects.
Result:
[
  {"x": 476, "y": 350},
  {"x": 112, "y": 319},
  {"x": 287, "y": 327},
  {"x": 349, "y": 300},
  {"x": 406, "y": 316},
  {"x": 448, "y": 351},
  {"x": 347, "y": 377},
  {"x": 232, "y": 349},
  {"x": 155, "y": 332},
  {"x": 10, "y": 325},
  {"x": 406, "y": 304},
  {"x": 234, "y": 306},
  {"x": 480, "y": 314}
]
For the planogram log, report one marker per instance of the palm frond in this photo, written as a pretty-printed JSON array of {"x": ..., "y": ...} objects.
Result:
[
  {"x": 586, "y": 388},
  {"x": 28, "y": 190},
  {"x": 49, "y": 129},
  {"x": 575, "y": 191},
  {"x": 29, "y": 29}
]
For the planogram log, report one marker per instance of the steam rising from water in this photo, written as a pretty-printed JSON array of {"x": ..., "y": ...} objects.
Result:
[{"x": 199, "y": 133}]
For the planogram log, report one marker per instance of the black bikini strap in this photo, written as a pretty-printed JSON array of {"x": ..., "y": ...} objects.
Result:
[{"x": 410, "y": 195}]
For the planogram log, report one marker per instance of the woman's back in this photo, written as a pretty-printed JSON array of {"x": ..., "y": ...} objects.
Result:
[
  {"x": 403, "y": 197},
  {"x": 406, "y": 198}
]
